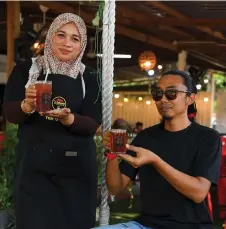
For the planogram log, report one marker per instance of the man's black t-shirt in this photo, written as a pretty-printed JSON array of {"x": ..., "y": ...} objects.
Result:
[{"x": 195, "y": 151}]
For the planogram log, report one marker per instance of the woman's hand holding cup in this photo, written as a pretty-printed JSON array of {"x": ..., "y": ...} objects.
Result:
[{"x": 30, "y": 98}]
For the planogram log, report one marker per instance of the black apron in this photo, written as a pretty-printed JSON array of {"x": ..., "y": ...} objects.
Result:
[{"x": 55, "y": 185}]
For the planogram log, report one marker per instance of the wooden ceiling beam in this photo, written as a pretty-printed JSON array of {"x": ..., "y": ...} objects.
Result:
[
  {"x": 123, "y": 12},
  {"x": 145, "y": 38},
  {"x": 64, "y": 8},
  {"x": 61, "y": 8},
  {"x": 179, "y": 32},
  {"x": 182, "y": 17},
  {"x": 132, "y": 24},
  {"x": 169, "y": 21},
  {"x": 207, "y": 59},
  {"x": 57, "y": 6}
]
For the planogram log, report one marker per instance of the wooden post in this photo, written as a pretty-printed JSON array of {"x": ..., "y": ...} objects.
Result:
[
  {"x": 213, "y": 92},
  {"x": 13, "y": 31},
  {"x": 182, "y": 61}
]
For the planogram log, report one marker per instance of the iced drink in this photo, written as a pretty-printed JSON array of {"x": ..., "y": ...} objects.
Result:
[
  {"x": 44, "y": 94},
  {"x": 118, "y": 140}
]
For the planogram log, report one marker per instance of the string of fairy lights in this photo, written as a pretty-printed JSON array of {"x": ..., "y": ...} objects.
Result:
[
  {"x": 128, "y": 98},
  {"x": 122, "y": 99}
]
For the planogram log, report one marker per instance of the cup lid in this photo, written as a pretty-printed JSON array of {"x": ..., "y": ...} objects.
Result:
[
  {"x": 118, "y": 131},
  {"x": 43, "y": 81}
]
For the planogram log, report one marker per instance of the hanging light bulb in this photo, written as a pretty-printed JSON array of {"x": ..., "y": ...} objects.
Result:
[
  {"x": 159, "y": 66},
  {"x": 151, "y": 72},
  {"x": 148, "y": 102},
  {"x": 126, "y": 100},
  {"x": 140, "y": 98},
  {"x": 147, "y": 60},
  {"x": 147, "y": 64}
]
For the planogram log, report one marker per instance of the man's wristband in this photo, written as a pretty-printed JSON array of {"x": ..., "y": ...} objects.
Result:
[{"x": 110, "y": 156}]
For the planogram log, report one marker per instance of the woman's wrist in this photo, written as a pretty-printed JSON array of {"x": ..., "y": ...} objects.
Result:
[
  {"x": 67, "y": 121},
  {"x": 26, "y": 107}
]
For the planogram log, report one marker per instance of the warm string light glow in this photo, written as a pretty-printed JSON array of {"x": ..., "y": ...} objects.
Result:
[
  {"x": 198, "y": 86},
  {"x": 145, "y": 99},
  {"x": 147, "y": 60},
  {"x": 126, "y": 99},
  {"x": 141, "y": 106},
  {"x": 147, "y": 64},
  {"x": 35, "y": 45},
  {"x": 206, "y": 99}
]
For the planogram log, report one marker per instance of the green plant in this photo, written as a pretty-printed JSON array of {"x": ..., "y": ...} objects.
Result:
[
  {"x": 220, "y": 79},
  {"x": 7, "y": 166}
]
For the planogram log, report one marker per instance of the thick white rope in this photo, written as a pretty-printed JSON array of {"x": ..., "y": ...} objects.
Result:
[{"x": 108, "y": 38}]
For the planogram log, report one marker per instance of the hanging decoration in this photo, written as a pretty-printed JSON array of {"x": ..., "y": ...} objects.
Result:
[
  {"x": 99, "y": 14},
  {"x": 147, "y": 60}
]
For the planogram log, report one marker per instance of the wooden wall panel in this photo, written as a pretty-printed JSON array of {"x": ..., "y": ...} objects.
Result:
[
  {"x": 204, "y": 108},
  {"x": 135, "y": 110},
  {"x": 221, "y": 111}
]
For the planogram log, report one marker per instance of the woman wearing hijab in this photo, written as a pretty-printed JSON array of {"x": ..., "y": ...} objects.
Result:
[{"x": 55, "y": 184}]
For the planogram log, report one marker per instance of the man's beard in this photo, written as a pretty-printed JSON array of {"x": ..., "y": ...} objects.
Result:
[{"x": 166, "y": 118}]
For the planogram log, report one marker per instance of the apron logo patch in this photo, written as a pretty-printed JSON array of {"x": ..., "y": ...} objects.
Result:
[{"x": 59, "y": 103}]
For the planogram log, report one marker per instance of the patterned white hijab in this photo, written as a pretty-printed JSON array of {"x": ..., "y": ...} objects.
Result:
[{"x": 48, "y": 62}]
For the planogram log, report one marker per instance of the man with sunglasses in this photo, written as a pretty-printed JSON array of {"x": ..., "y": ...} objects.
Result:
[{"x": 177, "y": 161}]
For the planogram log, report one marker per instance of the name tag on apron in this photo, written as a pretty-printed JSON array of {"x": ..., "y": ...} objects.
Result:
[{"x": 71, "y": 154}]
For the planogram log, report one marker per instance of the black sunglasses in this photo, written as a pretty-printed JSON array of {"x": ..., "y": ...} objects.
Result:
[{"x": 170, "y": 94}]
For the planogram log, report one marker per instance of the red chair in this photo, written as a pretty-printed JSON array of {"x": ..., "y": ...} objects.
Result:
[
  {"x": 1, "y": 140},
  {"x": 222, "y": 181},
  {"x": 217, "y": 196}
]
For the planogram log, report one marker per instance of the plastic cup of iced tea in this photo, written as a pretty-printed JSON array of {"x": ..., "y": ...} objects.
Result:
[
  {"x": 43, "y": 96},
  {"x": 118, "y": 141}
]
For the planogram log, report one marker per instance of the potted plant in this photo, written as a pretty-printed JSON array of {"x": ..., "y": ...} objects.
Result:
[{"x": 7, "y": 166}]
